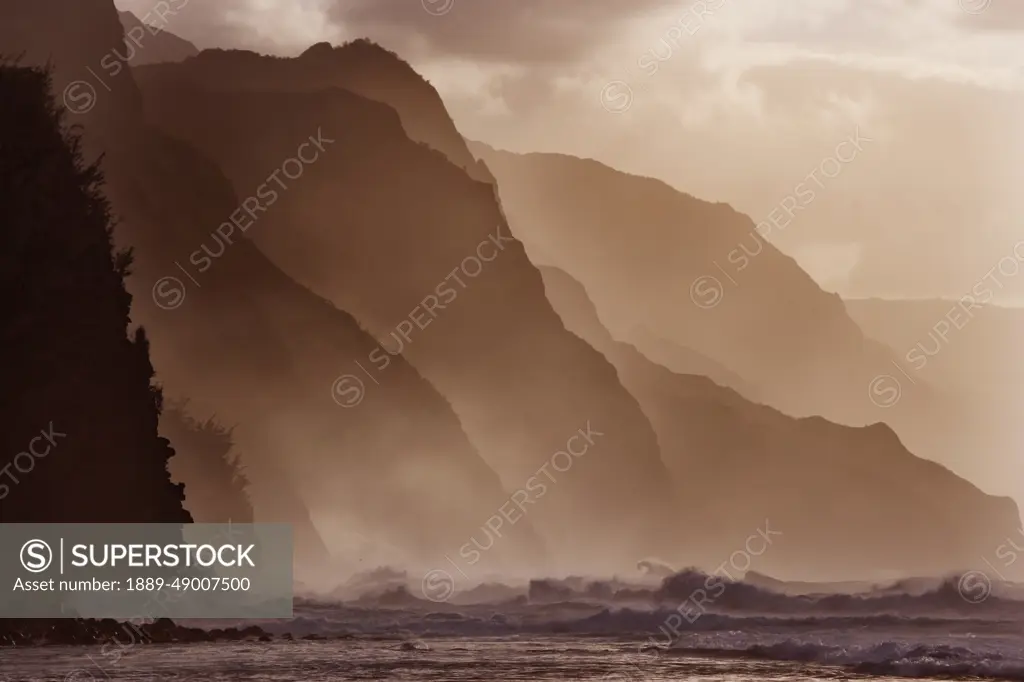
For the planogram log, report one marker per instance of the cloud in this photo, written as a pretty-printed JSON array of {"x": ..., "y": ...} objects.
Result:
[
  {"x": 523, "y": 31},
  {"x": 526, "y": 31},
  {"x": 744, "y": 110},
  {"x": 740, "y": 105},
  {"x": 993, "y": 15},
  {"x": 269, "y": 26}
]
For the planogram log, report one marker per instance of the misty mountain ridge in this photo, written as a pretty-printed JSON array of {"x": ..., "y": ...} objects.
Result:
[
  {"x": 360, "y": 66},
  {"x": 759, "y": 315},
  {"x": 495, "y": 349},
  {"x": 809, "y": 476},
  {"x": 527, "y": 416},
  {"x": 965, "y": 349},
  {"x": 1002, "y": 516},
  {"x": 169, "y": 198},
  {"x": 226, "y": 118},
  {"x": 147, "y": 42}
]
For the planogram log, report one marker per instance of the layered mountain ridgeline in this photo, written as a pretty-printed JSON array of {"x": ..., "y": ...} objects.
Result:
[
  {"x": 968, "y": 347},
  {"x": 85, "y": 41},
  {"x": 700, "y": 275},
  {"x": 683, "y": 360},
  {"x": 378, "y": 74},
  {"x": 361, "y": 67},
  {"x": 394, "y": 232},
  {"x": 246, "y": 342},
  {"x": 965, "y": 349},
  {"x": 364, "y": 460},
  {"x": 847, "y": 501},
  {"x": 147, "y": 42},
  {"x": 78, "y": 407},
  {"x": 638, "y": 246}
]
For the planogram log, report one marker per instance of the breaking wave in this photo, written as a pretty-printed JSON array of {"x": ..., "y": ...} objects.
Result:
[{"x": 886, "y": 658}]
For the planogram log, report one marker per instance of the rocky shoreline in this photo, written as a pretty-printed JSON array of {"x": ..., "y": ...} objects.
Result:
[{"x": 86, "y": 632}]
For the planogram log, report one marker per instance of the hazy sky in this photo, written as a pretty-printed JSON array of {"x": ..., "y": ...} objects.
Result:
[{"x": 730, "y": 100}]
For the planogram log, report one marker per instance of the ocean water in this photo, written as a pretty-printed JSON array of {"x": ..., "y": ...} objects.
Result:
[
  {"x": 927, "y": 629},
  {"x": 492, "y": 660},
  {"x": 811, "y": 654}
]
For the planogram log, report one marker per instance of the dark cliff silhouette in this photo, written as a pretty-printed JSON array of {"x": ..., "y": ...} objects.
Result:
[
  {"x": 382, "y": 222},
  {"x": 253, "y": 346},
  {"x": 740, "y": 463},
  {"x": 216, "y": 487},
  {"x": 78, "y": 390}
]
